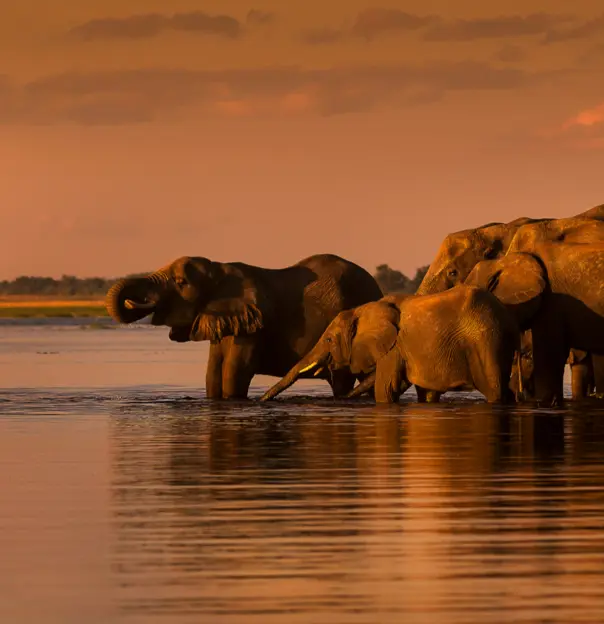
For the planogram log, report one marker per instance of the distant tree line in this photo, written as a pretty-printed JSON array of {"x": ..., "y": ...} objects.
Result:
[
  {"x": 67, "y": 286},
  {"x": 393, "y": 281},
  {"x": 389, "y": 280}
]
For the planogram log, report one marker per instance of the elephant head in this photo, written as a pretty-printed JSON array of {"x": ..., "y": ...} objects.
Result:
[
  {"x": 354, "y": 340},
  {"x": 518, "y": 280},
  {"x": 461, "y": 251},
  {"x": 198, "y": 299}
]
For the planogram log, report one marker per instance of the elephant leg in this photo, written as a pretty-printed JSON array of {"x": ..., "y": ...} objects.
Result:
[
  {"x": 550, "y": 353},
  {"x": 214, "y": 372},
  {"x": 427, "y": 396},
  {"x": 239, "y": 366},
  {"x": 597, "y": 361},
  {"x": 491, "y": 368},
  {"x": 389, "y": 375},
  {"x": 341, "y": 382},
  {"x": 580, "y": 380},
  {"x": 433, "y": 396}
]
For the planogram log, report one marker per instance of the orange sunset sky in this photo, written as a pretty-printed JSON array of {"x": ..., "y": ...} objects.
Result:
[{"x": 136, "y": 131}]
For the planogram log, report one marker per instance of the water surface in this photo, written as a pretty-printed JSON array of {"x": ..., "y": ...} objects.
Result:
[{"x": 127, "y": 497}]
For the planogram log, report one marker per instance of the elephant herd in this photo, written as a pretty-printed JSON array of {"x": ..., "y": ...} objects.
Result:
[{"x": 502, "y": 309}]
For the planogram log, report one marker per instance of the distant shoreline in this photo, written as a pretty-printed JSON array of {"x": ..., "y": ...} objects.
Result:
[{"x": 39, "y": 306}]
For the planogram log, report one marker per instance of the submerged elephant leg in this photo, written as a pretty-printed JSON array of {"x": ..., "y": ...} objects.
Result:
[
  {"x": 389, "y": 375},
  {"x": 341, "y": 382},
  {"x": 491, "y": 369},
  {"x": 239, "y": 365},
  {"x": 597, "y": 361},
  {"x": 549, "y": 356},
  {"x": 581, "y": 373},
  {"x": 214, "y": 372}
]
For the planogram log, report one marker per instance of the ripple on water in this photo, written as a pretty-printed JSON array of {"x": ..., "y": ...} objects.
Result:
[{"x": 156, "y": 505}]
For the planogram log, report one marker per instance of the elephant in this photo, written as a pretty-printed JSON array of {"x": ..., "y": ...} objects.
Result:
[
  {"x": 555, "y": 291},
  {"x": 461, "y": 251},
  {"x": 258, "y": 320},
  {"x": 585, "y": 369},
  {"x": 461, "y": 337}
]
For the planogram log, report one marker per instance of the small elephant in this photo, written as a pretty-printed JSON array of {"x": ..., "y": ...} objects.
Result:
[
  {"x": 461, "y": 337},
  {"x": 258, "y": 321},
  {"x": 555, "y": 291}
]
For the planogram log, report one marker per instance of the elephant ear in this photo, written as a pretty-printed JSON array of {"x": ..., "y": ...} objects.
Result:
[
  {"x": 518, "y": 280},
  {"x": 376, "y": 334},
  {"x": 234, "y": 310}
]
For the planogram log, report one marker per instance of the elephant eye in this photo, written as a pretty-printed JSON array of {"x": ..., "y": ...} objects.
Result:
[
  {"x": 180, "y": 282},
  {"x": 452, "y": 272},
  {"x": 328, "y": 339}
]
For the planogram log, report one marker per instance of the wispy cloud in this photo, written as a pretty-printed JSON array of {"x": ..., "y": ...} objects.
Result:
[
  {"x": 152, "y": 24},
  {"x": 372, "y": 23},
  {"x": 587, "y": 118},
  {"x": 584, "y": 130},
  {"x": 502, "y": 26},
  {"x": 255, "y": 16},
  {"x": 122, "y": 97},
  {"x": 581, "y": 31},
  {"x": 510, "y": 54},
  {"x": 375, "y": 23}
]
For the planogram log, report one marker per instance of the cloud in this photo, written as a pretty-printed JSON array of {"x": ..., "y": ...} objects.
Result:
[
  {"x": 372, "y": 23},
  {"x": 585, "y": 130},
  {"x": 587, "y": 118},
  {"x": 257, "y": 17},
  {"x": 138, "y": 96},
  {"x": 151, "y": 24},
  {"x": 581, "y": 31},
  {"x": 319, "y": 36},
  {"x": 510, "y": 54},
  {"x": 502, "y": 26}
]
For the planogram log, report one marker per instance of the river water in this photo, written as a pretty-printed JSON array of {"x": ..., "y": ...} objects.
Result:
[{"x": 126, "y": 497}]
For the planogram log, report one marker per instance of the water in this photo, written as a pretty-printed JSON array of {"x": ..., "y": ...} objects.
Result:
[{"x": 126, "y": 497}]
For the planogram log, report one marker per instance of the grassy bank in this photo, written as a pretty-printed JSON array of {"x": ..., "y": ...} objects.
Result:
[{"x": 41, "y": 307}]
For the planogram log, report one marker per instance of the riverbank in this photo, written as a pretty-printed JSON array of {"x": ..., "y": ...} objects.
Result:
[{"x": 15, "y": 306}]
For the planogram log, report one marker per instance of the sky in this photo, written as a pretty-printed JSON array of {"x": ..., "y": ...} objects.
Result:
[{"x": 133, "y": 132}]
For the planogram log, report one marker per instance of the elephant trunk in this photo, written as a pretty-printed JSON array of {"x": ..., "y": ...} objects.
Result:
[
  {"x": 132, "y": 299},
  {"x": 433, "y": 282},
  {"x": 315, "y": 359},
  {"x": 362, "y": 387}
]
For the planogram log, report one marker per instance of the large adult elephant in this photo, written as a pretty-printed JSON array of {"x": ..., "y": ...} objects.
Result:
[
  {"x": 258, "y": 320},
  {"x": 462, "y": 337},
  {"x": 461, "y": 251},
  {"x": 555, "y": 291}
]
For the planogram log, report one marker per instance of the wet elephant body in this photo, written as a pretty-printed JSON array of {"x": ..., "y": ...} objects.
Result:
[
  {"x": 461, "y": 251},
  {"x": 462, "y": 337},
  {"x": 555, "y": 291},
  {"x": 258, "y": 321}
]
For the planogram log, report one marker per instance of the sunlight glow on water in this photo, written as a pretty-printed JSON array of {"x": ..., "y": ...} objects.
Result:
[{"x": 128, "y": 497}]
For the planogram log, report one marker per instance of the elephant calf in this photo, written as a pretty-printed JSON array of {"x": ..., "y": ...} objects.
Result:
[{"x": 463, "y": 336}]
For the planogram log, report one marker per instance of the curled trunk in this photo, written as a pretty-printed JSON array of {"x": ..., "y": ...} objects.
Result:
[{"x": 132, "y": 299}]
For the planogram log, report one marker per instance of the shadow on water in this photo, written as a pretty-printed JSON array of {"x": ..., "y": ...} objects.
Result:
[{"x": 335, "y": 511}]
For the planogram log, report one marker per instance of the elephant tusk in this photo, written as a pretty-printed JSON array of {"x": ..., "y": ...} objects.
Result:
[
  {"x": 307, "y": 368},
  {"x": 318, "y": 371},
  {"x": 135, "y": 305}
]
